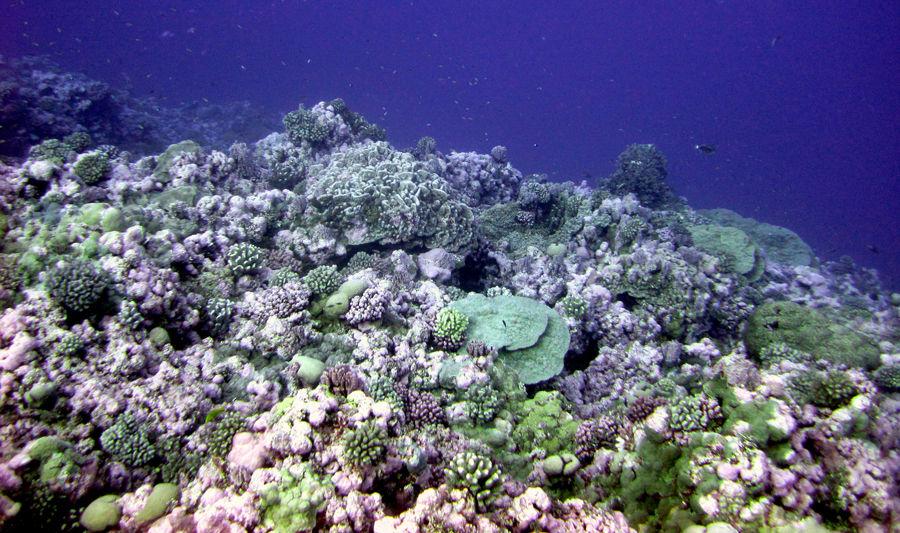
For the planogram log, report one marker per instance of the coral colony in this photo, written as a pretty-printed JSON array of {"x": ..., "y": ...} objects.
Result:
[{"x": 322, "y": 331}]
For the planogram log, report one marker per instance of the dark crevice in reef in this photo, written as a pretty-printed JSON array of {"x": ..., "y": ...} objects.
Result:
[
  {"x": 629, "y": 301},
  {"x": 576, "y": 361},
  {"x": 479, "y": 271}
]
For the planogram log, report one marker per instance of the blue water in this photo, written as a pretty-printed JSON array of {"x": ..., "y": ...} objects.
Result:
[{"x": 801, "y": 100}]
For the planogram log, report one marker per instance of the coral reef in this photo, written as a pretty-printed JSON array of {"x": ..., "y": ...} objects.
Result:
[{"x": 319, "y": 331}]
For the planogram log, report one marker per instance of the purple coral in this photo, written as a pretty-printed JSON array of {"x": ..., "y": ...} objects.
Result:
[
  {"x": 642, "y": 407},
  {"x": 422, "y": 409},
  {"x": 368, "y": 306},
  {"x": 279, "y": 301},
  {"x": 595, "y": 434},
  {"x": 342, "y": 380}
]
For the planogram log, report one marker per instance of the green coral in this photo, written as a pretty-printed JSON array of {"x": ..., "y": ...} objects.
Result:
[
  {"x": 301, "y": 125},
  {"x": 78, "y": 141},
  {"x": 358, "y": 124},
  {"x": 450, "y": 327},
  {"x": 52, "y": 150},
  {"x": 177, "y": 461},
  {"x": 543, "y": 423},
  {"x": 128, "y": 442},
  {"x": 381, "y": 389},
  {"x": 291, "y": 504},
  {"x": 323, "y": 280},
  {"x": 364, "y": 446},
  {"x": 373, "y": 193},
  {"x": 218, "y": 314},
  {"x": 77, "y": 286},
  {"x": 739, "y": 253},
  {"x": 630, "y": 229},
  {"x": 287, "y": 166},
  {"x": 92, "y": 167},
  {"x": 166, "y": 159},
  {"x": 835, "y": 390},
  {"x": 807, "y": 330},
  {"x": 887, "y": 378},
  {"x": 761, "y": 421},
  {"x": 101, "y": 514},
  {"x": 780, "y": 244},
  {"x": 68, "y": 345},
  {"x": 482, "y": 403},
  {"x": 43, "y": 447},
  {"x": 531, "y": 338},
  {"x": 573, "y": 306},
  {"x": 62, "y": 231},
  {"x": 663, "y": 486},
  {"x": 693, "y": 413},
  {"x": 218, "y": 432},
  {"x": 534, "y": 195},
  {"x": 831, "y": 389},
  {"x": 59, "y": 467},
  {"x": 360, "y": 261},
  {"x": 778, "y": 351},
  {"x": 283, "y": 276},
  {"x": 838, "y": 495},
  {"x": 244, "y": 258},
  {"x": 641, "y": 170},
  {"x": 559, "y": 222},
  {"x": 130, "y": 316},
  {"x": 478, "y": 475}
]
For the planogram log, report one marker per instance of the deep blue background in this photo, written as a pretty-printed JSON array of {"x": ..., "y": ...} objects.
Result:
[{"x": 802, "y": 100}]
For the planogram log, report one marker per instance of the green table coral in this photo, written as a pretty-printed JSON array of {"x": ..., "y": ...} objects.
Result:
[
  {"x": 531, "y": 337},
  {"x": 732, "y": 245},
  {"x": 780, "y": 244}
]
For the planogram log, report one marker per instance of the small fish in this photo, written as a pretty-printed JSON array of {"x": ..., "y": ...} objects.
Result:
[
  {"x": 774, "y": 41},
  {"x": 706, "y": 148},
  {"x": 504, "y": 323},
  {"x": 872, "y": 248}
]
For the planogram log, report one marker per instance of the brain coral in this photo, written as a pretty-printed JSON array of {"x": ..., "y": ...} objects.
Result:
[{"x": 373, "y": 193}]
